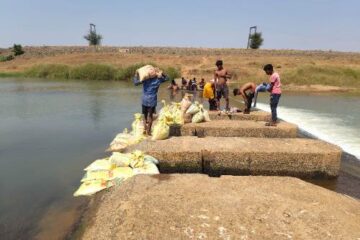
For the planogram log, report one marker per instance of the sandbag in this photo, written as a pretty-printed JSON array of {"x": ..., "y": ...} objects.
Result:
[
  {"x": 206, "y": 115},
  {"x": 185, "y": 104},
  {"x": 137, "y": 159},
  {"x": 150, "y": 159},
  {"x": 99, "y": 165},
  {"x": 147, "y": 72},
  {"x": 122, "y": 172},
  {"x": 148, "y": 168},
  {"x": 193, "y": 109},
  {"x": 91, "y": 187},
  {"x": 120, "y": 159},
  {"x": 160, "y": 131},
  {"x": 137, "y": 125},
  {"x": 198, "y": 117},
  {"x": 96, "y": 175}
]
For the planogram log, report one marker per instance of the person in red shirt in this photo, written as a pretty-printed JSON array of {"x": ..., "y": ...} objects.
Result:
[{"x": 275, "y": 90}]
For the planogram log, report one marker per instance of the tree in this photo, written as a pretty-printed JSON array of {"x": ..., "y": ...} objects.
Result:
[
  {"x": 256, "y": 40},
  {"x": 17, "y": 50},
  {"x": 93, "y": 38}
]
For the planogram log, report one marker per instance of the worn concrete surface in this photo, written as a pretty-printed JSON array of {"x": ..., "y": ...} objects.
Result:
[
  {"x": 245, "y": 156},
  {"x": 237, "y": 128},
  {"x": 199, "y": 207},
  {"x": 255, "y": 115}
]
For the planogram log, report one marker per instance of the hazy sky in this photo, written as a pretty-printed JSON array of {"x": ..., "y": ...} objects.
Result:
[{"x": 285, "y": 24}]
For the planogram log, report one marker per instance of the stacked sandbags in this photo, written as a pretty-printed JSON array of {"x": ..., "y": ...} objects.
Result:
[
  {"x": 169, "y": 115},
  {"x": 198, "y": 113},
  {"x": 105, "y": 173},
  {"x": 126, "y": 139}
]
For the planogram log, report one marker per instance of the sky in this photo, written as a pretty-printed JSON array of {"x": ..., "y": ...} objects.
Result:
[{"x": 285, "y": 24}]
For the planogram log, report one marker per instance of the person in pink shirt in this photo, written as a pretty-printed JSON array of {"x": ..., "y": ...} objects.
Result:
[{"x": 275, "y": 90}]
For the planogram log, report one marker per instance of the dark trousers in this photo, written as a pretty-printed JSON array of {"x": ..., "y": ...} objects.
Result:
[
  {"x": 212, "y": 104},
  {"x": 274, "y": 101}
]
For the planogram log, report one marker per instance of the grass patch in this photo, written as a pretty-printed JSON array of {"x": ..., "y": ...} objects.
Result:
[
  {"x": 49, "y": 71},
  {"x": 11, "y": 74},
  {"x": 324, "y": 75},
  {"x": 91, "y": 71}
]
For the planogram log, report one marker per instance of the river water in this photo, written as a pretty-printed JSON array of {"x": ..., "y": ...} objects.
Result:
[{"x": 51, "y": 130}]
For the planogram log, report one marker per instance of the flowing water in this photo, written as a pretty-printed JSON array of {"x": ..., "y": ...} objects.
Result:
[{"x": 51, "y": 130}]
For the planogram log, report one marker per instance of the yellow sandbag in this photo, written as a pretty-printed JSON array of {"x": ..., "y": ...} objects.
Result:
[
  {"x": 99, "y": 165},
  {"x": 148, "y": 168},
  {"x": 147, "y": 72},
  {"x": 177, "y": 114},
  {"x": 91, "y": 187},
  {"x": 120, "y": 159},
  {"x": 193, "y": 109},
  {"x": 160, "y": 131},
  {"x": 198, "y": 117},
  {"x": 137, "y": 125},
  {"x": 137, "y": 159},
  {"x": 96, "y": 175},
  {"x": 122, "y": 172}
]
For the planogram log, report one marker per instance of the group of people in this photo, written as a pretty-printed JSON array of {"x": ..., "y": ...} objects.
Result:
[
  {"x": 218, "y": 88},
  {"x": 214, "y": 91}
]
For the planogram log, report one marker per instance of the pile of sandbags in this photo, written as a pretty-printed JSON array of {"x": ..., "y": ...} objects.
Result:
[
  {"x": 126, "y": 139},
  {"x": 168, "y": 115},
  {"x": 105, "y": 173},
  {"x": 198, "y": 113},
  {"x": 147, "y": 72}
]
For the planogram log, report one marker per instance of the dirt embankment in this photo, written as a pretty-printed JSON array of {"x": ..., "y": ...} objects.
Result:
[{"x": 337, "y": 71}]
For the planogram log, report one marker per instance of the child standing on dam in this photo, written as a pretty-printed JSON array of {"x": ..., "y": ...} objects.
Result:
[
  {"x": 275, "y": 90},
  {"x": 149, "y": 98}
]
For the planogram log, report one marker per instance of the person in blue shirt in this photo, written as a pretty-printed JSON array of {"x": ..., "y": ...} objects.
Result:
[{"x": 149, "y": 98}]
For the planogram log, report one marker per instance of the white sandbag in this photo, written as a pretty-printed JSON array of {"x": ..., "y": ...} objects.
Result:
[
  {"x": 92, "y": 187},
  {"x": 150, "y": 159},
  {"x": 122, "y": 172},
  {"x": 120, "y": 159},
  {"x": 193, "y": 109},
  {"x": 137, "y": 125},
  {"x": 160, "y": 131},
  {"x": 147, "y": 72},
  {"x": 99, "y": 165},
  {"x": 148, "y": 168},
  {"x": 96, "y": 175},
  {"x": 206, "y": 114},
  {"x": 198, "y": 117},
  {"x": 185, "y": 104}
]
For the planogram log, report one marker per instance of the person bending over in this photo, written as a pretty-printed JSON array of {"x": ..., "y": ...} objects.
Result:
[
  {"x": 149, "y": 98},
  {"x": 247, "y": 91},
  {"x": 209, "y": 93},
  {"x": 275, "y": 92},
  {"x": 221, "y": 76}
]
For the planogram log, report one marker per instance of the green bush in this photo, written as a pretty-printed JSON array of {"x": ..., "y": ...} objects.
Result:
[
  {"x": 172, "y": 73},
  {"x": 93, "y": 72},
  {"x": 6, "y": 58},
  {"x": 17, "y": 50},
  {"x": 50, "y": 71}
]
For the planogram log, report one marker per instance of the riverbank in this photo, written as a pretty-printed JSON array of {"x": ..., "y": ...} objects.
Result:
[{"x": 317, "y": 71}]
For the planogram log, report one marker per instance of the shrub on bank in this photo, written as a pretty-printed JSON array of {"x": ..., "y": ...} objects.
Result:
[
  {"x": 92, "y": 71},
  {"x": 50, "y": 71},
  {"x": 6, "y": 58}
]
